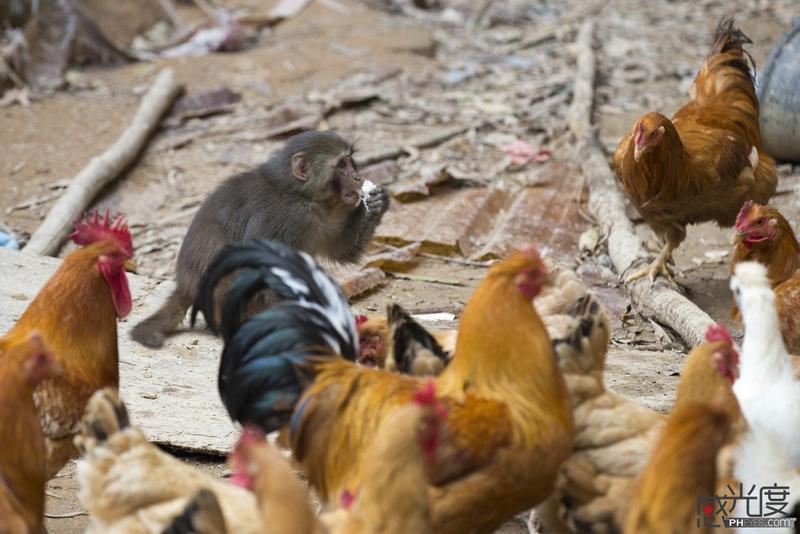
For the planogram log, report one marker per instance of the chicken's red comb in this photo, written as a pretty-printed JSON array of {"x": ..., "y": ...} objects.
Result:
[
  {"x": 743, "y": 213},
  {"x": 360, "y": 319},
  {"x": 347, "y": 499},
  {"x": 91, "y": 229},
  {"x": 531, "y": 252},
  {"x": 426, "y": 395},
  {"x": 240, "y": 476},
  {"x": 718, "y": 332}
]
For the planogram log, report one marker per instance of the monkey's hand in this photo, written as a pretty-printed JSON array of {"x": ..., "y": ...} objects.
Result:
[{"x": 377, "y": 202}]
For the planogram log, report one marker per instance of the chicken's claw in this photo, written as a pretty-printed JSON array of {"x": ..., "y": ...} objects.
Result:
[{"x": 659, "y": 266}]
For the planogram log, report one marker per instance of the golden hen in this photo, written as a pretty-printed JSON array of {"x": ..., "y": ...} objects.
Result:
[
  {"x": 708, "y": 160},
  {"x": 22, "y": 449}
]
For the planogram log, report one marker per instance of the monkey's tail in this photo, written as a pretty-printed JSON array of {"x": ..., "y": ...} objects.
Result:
[{"x": 153, "y": 331}]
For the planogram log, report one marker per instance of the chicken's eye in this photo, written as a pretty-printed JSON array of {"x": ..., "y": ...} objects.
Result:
[{"x": 760, "y": 221}]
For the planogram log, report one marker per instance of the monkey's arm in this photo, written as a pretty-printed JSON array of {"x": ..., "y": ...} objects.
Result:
[{"x": 360, "y": 227}]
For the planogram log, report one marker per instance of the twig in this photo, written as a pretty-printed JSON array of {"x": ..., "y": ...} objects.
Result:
[
  {"x": 68, "y": 515},
  {"x": 459, "y": 261},
  {"x": 423, "y": 278},
  {"x": 663, "y": 302},
  {"x": 425, "y": 141},
  {"x": 477, "y": 19},
  {"x": 101, "y": 170},
  {"x": 549, "y": 32}
]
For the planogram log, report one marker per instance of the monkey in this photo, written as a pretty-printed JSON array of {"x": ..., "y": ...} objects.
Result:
[{"x": 307, "y": 195}]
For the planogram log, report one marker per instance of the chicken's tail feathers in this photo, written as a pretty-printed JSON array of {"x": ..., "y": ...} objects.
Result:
[
  {"x": 729, "y": 38},
  {"x": 105, "y": 415},
  {"x": 413, "y": 350},
  {"x": 202, "y": 515},
  {"x": 583, "y": 349},
  {"x": 271, "y": 359},
  {"x": 293, "y": 275}
]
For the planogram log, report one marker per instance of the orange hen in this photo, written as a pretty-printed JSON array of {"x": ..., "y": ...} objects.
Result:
[
  {"x": 708, "y": 160},
  {"x": 765, "y": 236},
  {"x": 76, "y": 312},
  {"x": 22, "y": 460}
]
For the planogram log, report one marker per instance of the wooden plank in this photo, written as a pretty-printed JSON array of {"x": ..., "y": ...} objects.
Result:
[
  {"x": 170, "y": 392},
  {"x": 444, "y": 223}
]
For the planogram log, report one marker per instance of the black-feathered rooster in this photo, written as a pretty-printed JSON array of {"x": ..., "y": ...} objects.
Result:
[{"x": 265, "y": 363}]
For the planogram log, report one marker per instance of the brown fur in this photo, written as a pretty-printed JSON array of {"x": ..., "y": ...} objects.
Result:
[{"x": 301, "y": 197}]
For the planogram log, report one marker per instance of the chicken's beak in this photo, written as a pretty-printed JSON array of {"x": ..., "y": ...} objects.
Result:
[
  {"x": 637, "y": 152},
  {"x": 130, "y": 265}
]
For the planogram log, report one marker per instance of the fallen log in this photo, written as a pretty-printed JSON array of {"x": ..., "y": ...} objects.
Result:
[{"x": 659, "y": 299}]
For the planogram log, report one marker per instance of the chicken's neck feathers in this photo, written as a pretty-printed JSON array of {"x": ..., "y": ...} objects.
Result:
[{"x": 764, "y": 355}]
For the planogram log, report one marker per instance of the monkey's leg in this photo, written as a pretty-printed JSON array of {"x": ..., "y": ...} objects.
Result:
[
  {"x": 659, "y": 266},
  {"x": 153, "y": 331}
]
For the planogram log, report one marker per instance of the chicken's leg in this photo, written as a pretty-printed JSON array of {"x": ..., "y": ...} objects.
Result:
[{"x": 659, "y": 266}]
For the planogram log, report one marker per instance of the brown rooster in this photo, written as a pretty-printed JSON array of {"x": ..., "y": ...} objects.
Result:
[
  {"x": 707, "y": 161},
  {"x": 508, "y": 424},
  {"x": 76, "y": 312},
  {"x": 22, "y": 460}
]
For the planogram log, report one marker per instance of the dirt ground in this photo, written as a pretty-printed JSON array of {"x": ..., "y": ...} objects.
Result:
[{"x": 427, "y": 69}]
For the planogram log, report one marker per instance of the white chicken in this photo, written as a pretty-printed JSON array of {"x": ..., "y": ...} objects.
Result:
[
  {"x": 761, "y": 461},
  {"x": 767, "y": 391}
]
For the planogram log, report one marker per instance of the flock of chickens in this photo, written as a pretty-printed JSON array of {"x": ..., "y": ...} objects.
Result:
[{"x": 399, "y": 430}]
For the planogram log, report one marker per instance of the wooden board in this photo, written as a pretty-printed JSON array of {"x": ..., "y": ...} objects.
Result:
[{"x": 170, "y": 392}]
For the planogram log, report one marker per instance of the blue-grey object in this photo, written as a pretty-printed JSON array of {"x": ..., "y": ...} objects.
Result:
[
  {"x": 779, "y": 97},
  {"x": 8, "y": 241}
]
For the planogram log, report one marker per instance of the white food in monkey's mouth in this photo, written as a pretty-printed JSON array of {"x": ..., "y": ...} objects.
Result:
[{"x": 365, "y": 189}]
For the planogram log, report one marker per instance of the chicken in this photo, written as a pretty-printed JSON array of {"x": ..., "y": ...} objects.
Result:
[
  {"x": 398, "y": 343},
  {"x": 767, "y": 390},
  {"x": 762, "y": 462},
  {"x": 128, "y": 485},
  {"x": 765, "y": 236},
  {"x": 695, "y": 452},
  {"x": 508, "y": 426},
  {"x": 23, "y": 458},
  {"x": 76, "y": 313},
  {"x": 707, "y": 161},
  {"x": 282, "y": 500},
  {"x": 202, "y": 515},
  {"x": 393, "y": 498},
  {"x": 682, "y": 469},
  {"x": 711, "y": 369},
  {"x": 614, "y": 436}
]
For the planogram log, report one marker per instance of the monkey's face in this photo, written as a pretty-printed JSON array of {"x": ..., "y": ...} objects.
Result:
[{"x": 346, "y": 180}]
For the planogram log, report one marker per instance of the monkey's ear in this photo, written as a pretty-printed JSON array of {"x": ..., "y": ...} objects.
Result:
[{"x": 299, "y": 167}]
